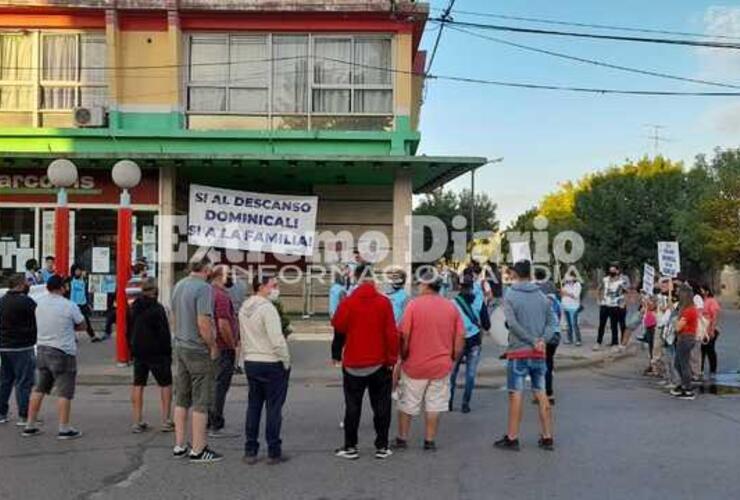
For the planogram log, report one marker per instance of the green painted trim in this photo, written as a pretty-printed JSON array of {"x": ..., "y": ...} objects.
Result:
[{"x": 120, "y": 121}]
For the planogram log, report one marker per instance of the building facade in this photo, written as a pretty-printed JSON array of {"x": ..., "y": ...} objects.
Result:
[{"x": 276, "y": 96}]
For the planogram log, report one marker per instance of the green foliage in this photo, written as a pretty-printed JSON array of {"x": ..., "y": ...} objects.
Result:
[
  {"x": 445, "y": 205},
  {"x": 624, "y": 211}
]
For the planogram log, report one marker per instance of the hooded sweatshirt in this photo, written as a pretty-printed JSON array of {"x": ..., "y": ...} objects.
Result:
[
  {"x": 365, "y": 319},
  {"x": 529, "y": 318},
  {"x": 262, "y": 333},
  {"x": 149, "y": 329}
]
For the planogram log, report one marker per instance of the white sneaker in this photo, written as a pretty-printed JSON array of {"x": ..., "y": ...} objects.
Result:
[
  {"x": 21, "y": 422},
  {"x": 596, "y": 347}
]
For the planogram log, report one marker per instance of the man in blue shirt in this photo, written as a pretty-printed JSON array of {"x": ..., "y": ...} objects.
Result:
[
  {"x": 397, "y": 295},
  {"x": 56, "y": 361},
  {"x": 48, "y": 270},
  {"x": 476, "y": 320}
]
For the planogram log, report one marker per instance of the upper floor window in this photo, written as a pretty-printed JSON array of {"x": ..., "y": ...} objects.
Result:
[
  {"x": 290, "y": 74},
  {"x": 53, "y": 71}
]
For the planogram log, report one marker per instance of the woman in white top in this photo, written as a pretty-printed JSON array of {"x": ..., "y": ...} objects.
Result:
[
  {"x": 612, "y": 292},
  {"x": 571, "y": 302}
]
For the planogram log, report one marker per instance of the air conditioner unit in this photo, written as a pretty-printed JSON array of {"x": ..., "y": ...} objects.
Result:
[{"x": 93, "y": 116}]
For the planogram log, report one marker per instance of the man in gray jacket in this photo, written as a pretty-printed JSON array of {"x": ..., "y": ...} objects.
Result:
[{"x": 530, "y": 323}]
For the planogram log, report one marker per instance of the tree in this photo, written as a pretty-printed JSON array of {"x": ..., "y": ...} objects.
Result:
[{"x": 446, "y": 205}]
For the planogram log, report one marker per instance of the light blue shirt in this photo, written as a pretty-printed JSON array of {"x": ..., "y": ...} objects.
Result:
[
  {"x": 471, "y": 329},
  {"x": 56, "y": 318},
  {"x": 78, "y": 291},
  {"x": 479, "y": 299},
  {"x": 46, "y": 274},
  {"x": 337, "y": 292},
  {"x": 399, "y": 298}
]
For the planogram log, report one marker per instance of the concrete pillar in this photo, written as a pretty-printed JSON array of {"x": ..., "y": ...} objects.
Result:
[
  {"x": 166, "y": 233},
  {"x": 112, "y": 62},
  {"x": 402, "y": 206}
]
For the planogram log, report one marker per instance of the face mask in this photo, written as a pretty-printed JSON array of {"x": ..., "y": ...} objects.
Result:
[
  {"x": 274, "y": 294},
  {"x": 612, "y": 273},
  {"x": 229, "y": 282}
]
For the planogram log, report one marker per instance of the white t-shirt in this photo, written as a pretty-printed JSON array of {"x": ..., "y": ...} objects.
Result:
[
  {"x": 614, "y": 290},
  {"x": 574, "y": 288}
]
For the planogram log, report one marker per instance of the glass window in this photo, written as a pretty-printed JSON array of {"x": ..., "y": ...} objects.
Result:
[
  {"x": 290, "y": 74},
  {"x": 16, "y": 77}
]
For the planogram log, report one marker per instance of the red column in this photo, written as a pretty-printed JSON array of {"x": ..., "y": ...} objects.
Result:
[
  {"x": 61, "y": 240},
  {"x": 123, "y": 274}
]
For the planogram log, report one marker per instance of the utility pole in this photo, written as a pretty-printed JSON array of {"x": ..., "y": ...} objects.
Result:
[{"x": 657, "y": 138}]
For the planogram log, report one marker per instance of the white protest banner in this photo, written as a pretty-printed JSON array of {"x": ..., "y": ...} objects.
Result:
[
  {"x": 648, "y": 279},
  {"x": 669, "y": 258},
  {"x": 520, "y": 251},
  {"x": 101, "y": 260},
  {"x": 258, "y": 222}
]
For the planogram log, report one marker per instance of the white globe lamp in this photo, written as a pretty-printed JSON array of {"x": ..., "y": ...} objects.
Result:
[
  {"x": 63, "y": 174},
  {"x": 126, "y": 175}
]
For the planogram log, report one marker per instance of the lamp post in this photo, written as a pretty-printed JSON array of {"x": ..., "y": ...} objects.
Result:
[
  {"x": 126, "y": 175},
  {"x": 62, "y": 174}
]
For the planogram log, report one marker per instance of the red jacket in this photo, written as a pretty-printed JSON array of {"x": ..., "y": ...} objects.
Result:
[{"x": 366, "y": 320}]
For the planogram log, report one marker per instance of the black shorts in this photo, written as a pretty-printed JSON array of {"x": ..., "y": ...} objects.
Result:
[{"x": 161, "y": 369}]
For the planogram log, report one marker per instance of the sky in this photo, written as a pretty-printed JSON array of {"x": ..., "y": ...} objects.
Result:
[{"x": 548, "y": 137}]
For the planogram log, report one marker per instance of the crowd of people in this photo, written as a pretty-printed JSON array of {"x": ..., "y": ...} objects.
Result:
[{"x": 389, "y": 343}]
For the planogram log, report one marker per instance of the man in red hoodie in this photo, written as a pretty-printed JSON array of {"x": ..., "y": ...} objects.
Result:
[{"x": 364, "y": 321}]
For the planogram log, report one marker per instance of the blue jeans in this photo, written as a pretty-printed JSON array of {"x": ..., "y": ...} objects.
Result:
[
  {"x": 571, "y": 316},
  {"x": 268, "y": 386},
  {"x": 17, "y": 370},
  {"x": 471, "y": 357},
  {"x": 517, "y": 371}
]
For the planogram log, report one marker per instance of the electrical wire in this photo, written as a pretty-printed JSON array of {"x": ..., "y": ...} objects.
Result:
[
  {"x": 596, "y": 36},
  {"x": 595, "y": 62},
  {"x": 591, "y": 25}
]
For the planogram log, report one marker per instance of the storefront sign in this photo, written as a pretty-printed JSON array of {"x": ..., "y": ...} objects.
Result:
[
  {"x": 669, "y": 258},
  {"x": 259, "y": 222},
  {"x": 92, "y": 186}
]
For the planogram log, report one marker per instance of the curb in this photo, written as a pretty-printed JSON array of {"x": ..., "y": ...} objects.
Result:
[{"x": 123, "y": 378}]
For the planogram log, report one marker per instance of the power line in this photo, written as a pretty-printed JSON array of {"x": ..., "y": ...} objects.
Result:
[
  {"x": 444, "y": 18},
  {"x": 593, "y": 25},
  {"x": 620, "y": 38},
  {"x": 595, "y": 62}
]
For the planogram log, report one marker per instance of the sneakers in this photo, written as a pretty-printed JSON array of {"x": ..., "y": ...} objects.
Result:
[
  {"x": 31, "y": 432},
  {"x": 399, "y": 444},
  {"x": 430, "y": 446},
  {"x": 578, "y": 344},
  {"x": 168, "y": 426},
  {"x": 466, "y": 408},
  {"x": 3, "y": 419},
  {"x": 383, "y": 453},
  {"x": 206, "y": 456},
  {"x": 687, "y": 395},
  {"x": 676, "y": 391},
  {"x": 139, "y": 427},
  {"x": 348, "y": 452},
  {"x": 596, "y": 347},
  {"x": 507, "y": 444},
  {"x": 180, "y": 451},
  {"x": 71, "y": 433},
  {"x": 21, "y": 422},
  {"x": 546, "y": 443}
]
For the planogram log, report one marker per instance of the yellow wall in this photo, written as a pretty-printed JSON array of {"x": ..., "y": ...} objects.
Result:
[
  {"x": 402, "y": 81},
  {"x": 151, "y": 77}
]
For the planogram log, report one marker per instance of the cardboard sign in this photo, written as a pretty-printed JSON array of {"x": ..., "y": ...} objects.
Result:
[
  {"x": 648, "y": 279},
  {"x": 669, "y": 258}
]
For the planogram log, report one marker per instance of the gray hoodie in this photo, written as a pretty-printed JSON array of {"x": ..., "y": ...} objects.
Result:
[{"x": 528, "y": 316}]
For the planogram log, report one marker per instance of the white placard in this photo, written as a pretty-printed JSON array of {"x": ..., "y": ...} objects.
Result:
[
  {"x": 101, "y": 260},
  {"x": 21, "y": 256},
  {"x": 133, "y": 239},
  {"x": 100, "y": 301},
  {"x": 669, "y": 258},
  {"x": 25, "y": 240},
  {"x": 648, "y": 279},
  {"x": 258, "y": 222},
  {"x": 148, "y": 234},
  {"x": 520, "y": 251},
  {"x": 4, "y": 257},
  {"x": 47, "y": 233},
  {"x": 149, "y": 252}
]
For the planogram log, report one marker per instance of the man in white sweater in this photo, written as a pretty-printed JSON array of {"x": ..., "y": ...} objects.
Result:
[{"x": 267, "y": 367}]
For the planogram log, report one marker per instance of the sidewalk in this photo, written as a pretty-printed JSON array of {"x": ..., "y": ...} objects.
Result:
[{"x": 310, "y": 350}]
